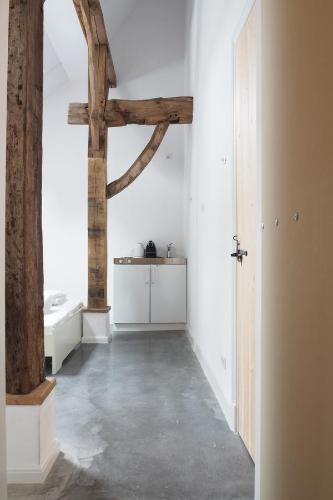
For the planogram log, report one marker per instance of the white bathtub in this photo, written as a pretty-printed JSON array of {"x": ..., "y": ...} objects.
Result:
[{"x": 62, "y": 332}]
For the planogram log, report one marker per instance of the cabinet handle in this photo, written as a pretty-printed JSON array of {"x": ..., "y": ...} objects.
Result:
[
  {"x": 154, "y": 270},
  {"x": 148, "y": 276}
]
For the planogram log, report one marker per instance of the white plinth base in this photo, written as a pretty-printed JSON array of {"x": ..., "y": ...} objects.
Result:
[
  {"x": 148, "y": 327},
  {"x": 31, "y": 445},
  {"x": 96, "y": 328}
]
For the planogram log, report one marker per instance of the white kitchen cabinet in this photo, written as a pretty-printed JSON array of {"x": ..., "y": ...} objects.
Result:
[
  {"x": 131, "y": 294},
  {"x": 149, "y": 293},
  {"x": 168, "y": 294}
]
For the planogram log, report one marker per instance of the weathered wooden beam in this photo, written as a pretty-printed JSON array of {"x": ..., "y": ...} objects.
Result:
[
  {"x": 97, "y": 178},
  {"x": 101, "y": 76},
  {"x": 97, "y": 234},
  {"x": 140, "y": 163},
  {"x": 93, "y": 60},
  {"x": 98, "y": 92},
  {"x": 100, "y": 38},
  {"x": 118, "y": 113},
  {"x": 97, "y": 204},
  {"x": 25, "y": 363}
]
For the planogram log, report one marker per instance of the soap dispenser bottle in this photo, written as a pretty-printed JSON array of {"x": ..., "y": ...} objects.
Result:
[{"x": 169, "y": 250}]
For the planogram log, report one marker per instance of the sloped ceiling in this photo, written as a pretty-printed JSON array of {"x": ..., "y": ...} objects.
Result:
[
  {"x": 54, "y": 73},
  {"x": 149, "y": 36},
  {"x": 65, "y": 36},
  {"x": 144, "y": 35}
]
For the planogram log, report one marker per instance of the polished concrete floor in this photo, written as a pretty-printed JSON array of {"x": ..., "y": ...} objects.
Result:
[{"x": 137, "y": 420}]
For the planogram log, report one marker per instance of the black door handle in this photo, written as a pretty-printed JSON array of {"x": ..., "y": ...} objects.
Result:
[{"x": 239, "y": 254}]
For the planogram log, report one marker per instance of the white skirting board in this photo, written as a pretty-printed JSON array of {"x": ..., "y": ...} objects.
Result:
[
  {"x": 228, "y": 408},
  {"x": 96, "y": 328},
  {"x": 31, "y": 445},
  {"x": 148, "y": 327}
]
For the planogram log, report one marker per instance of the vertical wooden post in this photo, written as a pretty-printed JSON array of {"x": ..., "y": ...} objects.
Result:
[
  {"x": 24, "y": 251},
  {"x": 97, "y": 181},
  {"x": 101, "y": 77}
]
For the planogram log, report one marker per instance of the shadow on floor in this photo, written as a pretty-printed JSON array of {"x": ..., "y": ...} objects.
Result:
[{"x": 75, "y": 361}]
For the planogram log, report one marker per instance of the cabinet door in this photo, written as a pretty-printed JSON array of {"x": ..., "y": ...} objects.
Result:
[
  {"x": 168, "y": 294},
  {"x": 131, "y": 294}
]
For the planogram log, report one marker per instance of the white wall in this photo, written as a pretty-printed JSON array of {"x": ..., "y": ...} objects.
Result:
[
  {"x": 65, "y": 194},
  {"x": 209, "y": 184},
  {"x": 3, "y": 103},
  {"x": 297, "y": 319},
  {"x": 151, "y": 208}
]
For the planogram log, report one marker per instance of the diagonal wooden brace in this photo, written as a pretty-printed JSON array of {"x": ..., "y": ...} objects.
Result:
[{"x": 140, "y": 163}]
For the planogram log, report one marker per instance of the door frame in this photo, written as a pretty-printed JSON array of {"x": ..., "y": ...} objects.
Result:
[{"x": 258, "y": 330}]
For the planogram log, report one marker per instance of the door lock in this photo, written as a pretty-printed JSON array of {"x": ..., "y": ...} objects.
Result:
[{"x": 239, "y": 254}]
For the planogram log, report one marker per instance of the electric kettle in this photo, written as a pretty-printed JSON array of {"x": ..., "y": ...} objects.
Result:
[{"x": 139, "y": 250}]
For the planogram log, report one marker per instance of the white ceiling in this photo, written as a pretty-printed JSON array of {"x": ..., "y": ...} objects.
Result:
[
  {"x": 144, "y": 35},
  {"x": 115, "y": 13},
  {"x": 63, "y": 30}
]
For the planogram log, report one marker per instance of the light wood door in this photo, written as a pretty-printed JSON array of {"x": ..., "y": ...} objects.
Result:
[
  {"x": 246, "y": 175},
  {"x": 168, "y": 294},
  {"x": 131, "y": 294}
]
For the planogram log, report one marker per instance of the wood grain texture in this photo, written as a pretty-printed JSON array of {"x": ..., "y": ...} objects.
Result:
[
  {"x": 246, "y": 179},
  {"x": 97, "y": 179},
  {"x": 140, "y": 163},
  {"x": 99, "y": 62},
  {"x": 92, "y": 10},
  {"x": 118, "y": 112},
  {"x": 93, "y": 72},
  {"x": 25, "y": 368},
  {"x": 34, "y": 398},
  {"x": 97, "y": 234}
]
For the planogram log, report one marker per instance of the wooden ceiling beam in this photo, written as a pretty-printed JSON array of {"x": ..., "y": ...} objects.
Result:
[
  {"x": 91, "y": 10},
  {"x": 118, "y": 113}
]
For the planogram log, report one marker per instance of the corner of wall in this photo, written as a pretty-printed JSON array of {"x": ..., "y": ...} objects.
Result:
[
  {"x": 227, "y": 406},
  {"x": 209, "y": 193}
]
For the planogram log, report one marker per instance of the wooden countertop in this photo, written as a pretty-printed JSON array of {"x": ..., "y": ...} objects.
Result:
[{"x": 157, "y": 261}]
